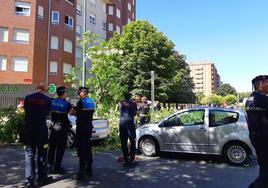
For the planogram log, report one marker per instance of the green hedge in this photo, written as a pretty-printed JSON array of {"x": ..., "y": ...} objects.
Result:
[{"x": 11, "y": 124}]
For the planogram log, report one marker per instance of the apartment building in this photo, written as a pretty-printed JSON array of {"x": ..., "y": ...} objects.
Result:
[
  {"x": 37, "y": 40},
  {"x": 205, "y": 77},
  {"x": 102, "y": 17},
  {"x": 119, "y": 13}
]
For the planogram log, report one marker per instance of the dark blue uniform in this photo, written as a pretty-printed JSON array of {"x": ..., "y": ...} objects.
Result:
[
  {"x": 35, "y": 135},
  {"x": 85, "y": 108},
  {"x": 257, "y": 112},
  {"x": 58, "y": 136},
  {"x": 127, "y": 130}
]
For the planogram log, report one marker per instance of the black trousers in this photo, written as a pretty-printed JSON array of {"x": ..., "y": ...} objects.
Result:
[
  {"x": 259, "y": 142},
  {"x": 84, "y": 151},
  {"x": 127, "y": 131},
  {"x": 57, "y": 145}
]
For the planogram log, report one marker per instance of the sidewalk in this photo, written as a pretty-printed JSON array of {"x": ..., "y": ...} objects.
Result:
[{"x": 150, "y": 172}]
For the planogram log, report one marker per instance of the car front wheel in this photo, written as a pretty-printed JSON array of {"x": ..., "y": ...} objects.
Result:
[
  {"x": 148, "y": 147},
  {"x": 70, "y": 139},
  {"x": 236, "y": 154}
]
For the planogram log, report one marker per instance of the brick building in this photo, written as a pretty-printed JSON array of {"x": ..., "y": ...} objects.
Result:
[
  {"x": 205, "y": 77},
  {"x": 37, "y": 40},
  {"x": 119, "y": 13}
]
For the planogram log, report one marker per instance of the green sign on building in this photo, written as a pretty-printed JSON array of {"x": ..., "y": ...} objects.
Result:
[{"x": 52, "y": 89}]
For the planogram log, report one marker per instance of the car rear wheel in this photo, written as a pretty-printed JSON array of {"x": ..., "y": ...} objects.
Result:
[
  {"x": 148, "y": 146},
  {"x": 236, "y": 154},
  {"x": 70, "y": 139}
]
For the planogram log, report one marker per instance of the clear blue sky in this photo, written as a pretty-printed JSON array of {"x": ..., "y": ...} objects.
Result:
[{"x": 231, "y": 33}]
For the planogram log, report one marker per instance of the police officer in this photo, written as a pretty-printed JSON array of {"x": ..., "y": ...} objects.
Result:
[
  {"x": 35, "y": 135},
  {"x": 58, "y": 136},
  {"x": 257, "y": 112},
  {"x": 84, "y": 111},
  {"x": 128, "y": 110},
  {"x": 144, "y": 111}
]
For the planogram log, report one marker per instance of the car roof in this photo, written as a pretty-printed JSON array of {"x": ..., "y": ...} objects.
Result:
[{"x": 214, "y": 108}]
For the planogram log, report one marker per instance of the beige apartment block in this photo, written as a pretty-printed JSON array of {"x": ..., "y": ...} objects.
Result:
[{"x": 205, "y": 77}]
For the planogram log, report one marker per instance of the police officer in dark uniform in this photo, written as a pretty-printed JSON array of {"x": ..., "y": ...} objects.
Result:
[
  {"x": 257, "y": 112},
  {"x": 35, "y": 135},
  {"x": 84, "y": 112},
  {"x": 144, "y": 112},
  {"x": 128, "y": 110},
  {"x": 58, "y": 136}
]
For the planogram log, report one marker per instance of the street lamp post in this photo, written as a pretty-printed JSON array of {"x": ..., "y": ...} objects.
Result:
[
  {"x": 84, "y": 48},
  {"x": 152, "y": 91}
]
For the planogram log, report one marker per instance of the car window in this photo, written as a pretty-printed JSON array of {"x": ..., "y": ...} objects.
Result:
[
  {"x": 218, "y": 118},
  {"x": 192, "y": 117}
]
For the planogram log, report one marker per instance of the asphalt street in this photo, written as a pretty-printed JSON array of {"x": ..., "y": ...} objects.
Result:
[{"x": 184, "y": 171}]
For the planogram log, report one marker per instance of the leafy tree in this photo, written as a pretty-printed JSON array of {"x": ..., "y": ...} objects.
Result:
[
  {"x": 230, "y": 99},
  {"x": 145, "y": 50},
  {"x": 243, "y": 95},
  {"x": 226, "y": 89},
  {"x": 104, "y": 82},
  {"x": 216, "y": 99}
]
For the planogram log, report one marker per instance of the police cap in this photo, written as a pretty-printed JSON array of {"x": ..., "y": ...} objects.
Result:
[
  {"x": 84, "y": 89},
  {"x": 61, "y": 90},
  {"x": 259, "y": 78}
]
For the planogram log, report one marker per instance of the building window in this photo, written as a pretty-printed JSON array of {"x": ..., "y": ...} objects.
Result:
[
  {"x": 110, "y": 27},
  {"x": 111, "y": 10},
  {"x": 104, "y": 25},
  {"x": 128, "y": 20},
  {"x": 3, "y": 34},
  {"x": 93, "y": 2},
  {"x": 22, "y": 8},
  {"x": 79, "y": 9},
  {"x": 67, "y": 68},
  {"x": 78, "y": 53},
  {"x": 54, "y": 43},
  {"x": 118, "y": 29},
  {"x": 40, "y": 12},
  {"x": 19, "y": 64},
  {"x": 55, "y": 17},
  {"x": 133, "y": 16},
  {"x": 21, "y": 36},
  {"x": 69, "y": 21},
  {"x": 70, "y": 1},
  {"x": 68, "y": 46},
  {"x": 92, "y": 18},
  {"x": 3, "y": 63},
  {"x": 118, "y": 13},
  {"x": 78, "y": 30},
  {"x": 129, "y": 6},
  {"x": 133, "y": 2},
  {"x": 53, "y": 68}
]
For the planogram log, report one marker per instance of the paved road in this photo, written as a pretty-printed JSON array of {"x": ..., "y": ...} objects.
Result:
[{"x": 176, "y": 171}]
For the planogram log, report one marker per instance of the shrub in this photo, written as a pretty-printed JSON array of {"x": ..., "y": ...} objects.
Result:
[{"x": 11, "y": 124}]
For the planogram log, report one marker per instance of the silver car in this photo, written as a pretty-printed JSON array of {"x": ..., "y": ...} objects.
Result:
[{"x": 199, "y": 130}]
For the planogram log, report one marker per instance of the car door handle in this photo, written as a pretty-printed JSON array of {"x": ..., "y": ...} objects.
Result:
[{"x": 202, "y": 129}]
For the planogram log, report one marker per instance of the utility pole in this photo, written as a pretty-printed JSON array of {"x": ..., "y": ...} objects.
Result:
[
  {"x": 84, "y": 48},
  {"x": 152, "y": 91}
]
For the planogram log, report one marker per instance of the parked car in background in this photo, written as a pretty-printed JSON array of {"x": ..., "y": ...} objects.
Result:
[
  {"x": 99, "y": 132},
  {"x": 203, "y": 130}
]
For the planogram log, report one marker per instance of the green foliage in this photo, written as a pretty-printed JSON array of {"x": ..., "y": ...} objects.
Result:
[
  {"x": 226, "y": 89},
  {"x": 212, "y": 99},
  {"x": 11, "y": 124},
  {"x": 243, "y": 95},
  {"x": 230, "y": 99},
  {"x": 158, "y": 115},
  {"x": 104, "y": 83},
  {"x": 144, "y": 50}
]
